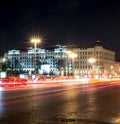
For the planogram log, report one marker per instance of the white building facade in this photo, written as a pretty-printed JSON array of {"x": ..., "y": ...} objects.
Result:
[
  {"x": 57, "y": 59},
  {"x": 46, "y": 59},
  {"x": 102, "y": 66}
]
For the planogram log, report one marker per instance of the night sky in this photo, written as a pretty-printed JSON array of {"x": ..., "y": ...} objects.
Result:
[{"x": 64, "y": 22}]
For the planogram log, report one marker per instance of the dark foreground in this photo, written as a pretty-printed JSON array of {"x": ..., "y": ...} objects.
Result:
[{"x": 63, "y": 103}]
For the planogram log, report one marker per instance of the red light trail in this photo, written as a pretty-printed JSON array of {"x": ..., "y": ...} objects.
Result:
[{"x": 39, "y": 95}]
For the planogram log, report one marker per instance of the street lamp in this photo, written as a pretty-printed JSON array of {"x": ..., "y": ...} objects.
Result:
[
  {"x": 92, "y": 61},
  {"x": 4, "y": 60},
  {"x": 73, "y": 56},
  {"x": 111, "y": 68},
  {"x": 67, "y": 62},
  {"x": 35, "y": 41}
]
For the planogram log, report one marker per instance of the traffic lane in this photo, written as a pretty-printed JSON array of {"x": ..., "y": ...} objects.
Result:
[
  {"x": 18, "y": 94},
  {"x": 16, "y": 97},
  {"x": 66, "y": 106},
  {"x": 38, "y": 90}
]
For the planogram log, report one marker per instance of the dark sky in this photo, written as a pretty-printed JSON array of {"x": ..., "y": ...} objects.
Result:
[{"x": 60, "y": 22}]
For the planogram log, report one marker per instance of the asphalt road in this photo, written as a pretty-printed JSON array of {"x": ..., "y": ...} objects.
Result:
[{"x": 61, "y": 103}]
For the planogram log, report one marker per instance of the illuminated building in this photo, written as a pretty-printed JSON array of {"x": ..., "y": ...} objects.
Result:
[
  {"x": 53, "y": 60},
  {"x": 104, "y": 59},
  {"x": 48, "y": 60}
]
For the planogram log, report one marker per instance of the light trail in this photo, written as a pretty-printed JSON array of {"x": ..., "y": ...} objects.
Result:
[{"x": 53, "y": 93}]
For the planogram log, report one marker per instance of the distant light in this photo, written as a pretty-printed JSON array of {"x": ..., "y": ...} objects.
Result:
[
  {"x": 91, "y": 60},
  {"x": 35, "y": 40},
  {"x": 73, "y": 55},
  {"x": 4, "y": 59},
  {"x": 111, "y": 67}
]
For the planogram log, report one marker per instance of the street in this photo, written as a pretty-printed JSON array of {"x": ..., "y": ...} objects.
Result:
[{"x": 61, "y": 103}]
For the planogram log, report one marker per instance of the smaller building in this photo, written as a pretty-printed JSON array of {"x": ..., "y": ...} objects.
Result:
[{"x": 104, "y": 60}]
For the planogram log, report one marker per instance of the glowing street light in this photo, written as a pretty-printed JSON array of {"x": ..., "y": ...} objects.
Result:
[
  {"x": 73, "y": 56},
  {"x": 111, "y": 69},
  {"x": 4, "y": 61},
  {"x": 92, "y": 61},
  {"x": 67, "y": 62},
  {"x": 35, "y": 41}
]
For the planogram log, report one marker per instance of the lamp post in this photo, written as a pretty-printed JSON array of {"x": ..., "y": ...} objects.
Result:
[
  {"x": 111, "y": 69},
  {"x": 4, "y": 60},
  {"x": 67, "y": 62},
  {"x": 92, "y": 61},
  {"x": 73, "y": 56},
  {"x": 35, "y": 41},
  {"x": 3, "y": 67}
]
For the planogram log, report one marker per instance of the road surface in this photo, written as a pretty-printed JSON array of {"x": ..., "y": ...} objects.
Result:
[{"x": 61, "y": 103}]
